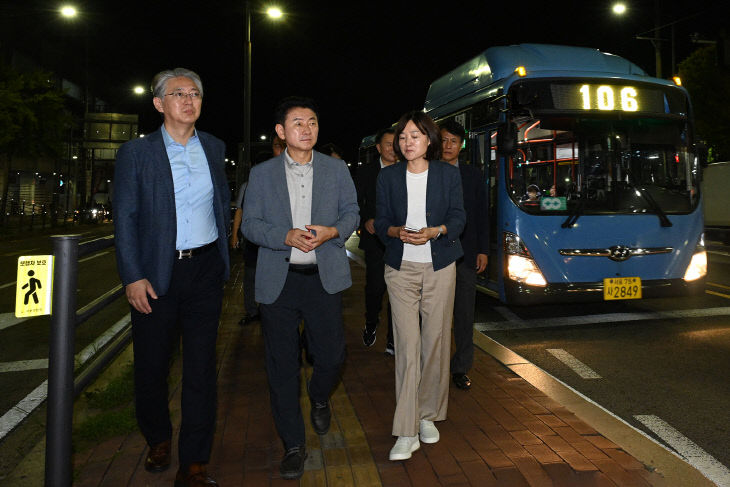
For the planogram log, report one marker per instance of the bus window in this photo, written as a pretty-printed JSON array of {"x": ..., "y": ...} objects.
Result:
[{"x": 624, "y": 166}]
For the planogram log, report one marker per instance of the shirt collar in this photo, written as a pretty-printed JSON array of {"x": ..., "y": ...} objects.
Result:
[
  {"x": 169, "y": 141},
  {"x": 294, "y": 163}
]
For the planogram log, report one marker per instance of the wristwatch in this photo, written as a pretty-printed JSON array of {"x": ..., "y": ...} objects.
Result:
[{"x": 438, "y": 234}]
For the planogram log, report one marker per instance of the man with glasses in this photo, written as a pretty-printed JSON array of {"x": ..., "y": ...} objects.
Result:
[{"x": 172, "y": 213}]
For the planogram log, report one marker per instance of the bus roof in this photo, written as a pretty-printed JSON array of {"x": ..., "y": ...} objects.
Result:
[{"x": 498, "y": 63}]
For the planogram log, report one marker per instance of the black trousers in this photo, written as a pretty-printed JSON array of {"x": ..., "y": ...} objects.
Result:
[
  {"x": 191, "y": 308},
  {"x": 375, "y": 288},
  {"x": 464, "y": 299},
  {"x": 303, "y": 298}
]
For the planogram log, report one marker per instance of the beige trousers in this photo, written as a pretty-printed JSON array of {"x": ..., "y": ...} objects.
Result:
[{"x": 422, "y": 353}]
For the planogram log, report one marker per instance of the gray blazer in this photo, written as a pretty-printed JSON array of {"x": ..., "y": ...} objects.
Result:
[{"x": 267, "y": 218}]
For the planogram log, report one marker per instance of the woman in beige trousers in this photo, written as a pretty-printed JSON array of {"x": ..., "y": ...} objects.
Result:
[{"x": 419, "y": 217}]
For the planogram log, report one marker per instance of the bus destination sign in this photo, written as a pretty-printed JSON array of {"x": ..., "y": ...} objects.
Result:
[{"x": 607, "y": 98}]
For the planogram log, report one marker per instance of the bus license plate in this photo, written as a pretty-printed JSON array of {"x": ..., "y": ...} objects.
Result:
[{"x": 621, "y": 288}]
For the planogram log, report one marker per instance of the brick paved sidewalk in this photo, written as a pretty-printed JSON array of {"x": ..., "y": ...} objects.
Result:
[{"x": 503, "y": 432}]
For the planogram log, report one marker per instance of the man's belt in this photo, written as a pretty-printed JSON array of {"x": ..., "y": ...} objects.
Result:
[
  {"x": 306, "y": 269},
  {"x": 188, "y": 253}
]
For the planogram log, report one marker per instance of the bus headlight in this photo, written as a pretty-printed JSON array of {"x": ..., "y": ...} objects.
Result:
[
  {"x": 697, "y": 267},
  {"x": 521, "y": 267}
]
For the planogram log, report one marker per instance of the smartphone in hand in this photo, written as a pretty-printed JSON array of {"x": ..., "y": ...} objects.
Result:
[{"x": 411, "y": 229}]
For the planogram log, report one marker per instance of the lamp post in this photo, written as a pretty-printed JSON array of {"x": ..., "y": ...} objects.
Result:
[
  {"x": 245, "y": 165},
  {"x": 620, "y": 8},
  {"x": 71, "y": 13}
]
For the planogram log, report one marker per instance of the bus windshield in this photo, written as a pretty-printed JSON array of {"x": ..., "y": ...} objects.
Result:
[{"x": 603, "y": 165}]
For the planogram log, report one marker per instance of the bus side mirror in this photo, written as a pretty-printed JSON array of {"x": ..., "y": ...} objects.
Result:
[{"x": 507, "y": 138}]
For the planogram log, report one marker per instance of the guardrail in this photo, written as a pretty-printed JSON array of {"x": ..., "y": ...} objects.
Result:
[
  {"x": 62, "y": 388},
  {"x": 23, "y": 216}
]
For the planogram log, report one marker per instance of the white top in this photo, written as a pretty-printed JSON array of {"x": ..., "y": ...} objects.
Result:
[{"x": 416, "y": 187}]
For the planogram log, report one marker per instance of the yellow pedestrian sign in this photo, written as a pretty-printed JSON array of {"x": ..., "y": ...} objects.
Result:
[{"x": 34, "y": 285}]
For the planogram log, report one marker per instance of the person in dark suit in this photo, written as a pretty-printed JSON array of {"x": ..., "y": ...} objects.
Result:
[
  {"x": 250, "y": 249},
  {"x": 419, "y": 217},
  {"x": 475, "y": 242},
  {"x": 370, "y": 243},
  {"x": 171, "y": 215},
  {"x": 300, "y": 208}
]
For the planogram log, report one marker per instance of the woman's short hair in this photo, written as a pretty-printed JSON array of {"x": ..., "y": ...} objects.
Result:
[
  {"x": 159, "y": 82},
  {"x": 427, "y": 127}
]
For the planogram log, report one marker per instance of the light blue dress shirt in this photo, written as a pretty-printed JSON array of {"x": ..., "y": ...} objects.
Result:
[{"x": 193, "y": 192}]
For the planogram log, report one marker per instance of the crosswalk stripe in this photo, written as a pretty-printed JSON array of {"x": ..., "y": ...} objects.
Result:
[
  {"x": 22, "y": 365},
  {"x": 573, "y": 363},
  {"x": 687, "y": 449}
]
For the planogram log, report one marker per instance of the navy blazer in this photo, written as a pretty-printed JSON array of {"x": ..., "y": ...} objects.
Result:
[
  {"x": 267, "y": 219},
  {"x": 145, "y": 219},
  {"x": 444, "y": 206},
  {"x": 367, "y": 177},
  {"x": 475, "y": 239}
]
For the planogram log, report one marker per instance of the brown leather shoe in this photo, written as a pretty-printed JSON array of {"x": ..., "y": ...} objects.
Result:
[
  {"x": 194, "y": 476},
  {"x": 158, "y": 458}
]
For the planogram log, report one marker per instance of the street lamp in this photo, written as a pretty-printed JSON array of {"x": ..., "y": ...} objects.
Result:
[
  {"x": 619, "y": 8},
  {"x": 138, "y": 90},
  {"x": 274, "y": 13},
  {"x": 68, "y": 11}
]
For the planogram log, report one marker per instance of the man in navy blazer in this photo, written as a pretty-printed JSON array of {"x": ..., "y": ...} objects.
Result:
[
  {"x": 475, "y": 242},
  {"x": 171, "y": 218},
  {"x": 375, "y": 287},
  {"x": 300, "y": 208}
]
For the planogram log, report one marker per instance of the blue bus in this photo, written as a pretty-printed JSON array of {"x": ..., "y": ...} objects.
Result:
[{"x": 592, "y": 171}]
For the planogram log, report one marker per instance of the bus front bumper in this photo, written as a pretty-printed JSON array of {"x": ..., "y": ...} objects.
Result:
[{"x": 585, "y": 292}]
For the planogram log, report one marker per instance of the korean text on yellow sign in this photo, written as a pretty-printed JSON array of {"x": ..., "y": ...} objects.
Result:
[{"x": 34, "y": 285}]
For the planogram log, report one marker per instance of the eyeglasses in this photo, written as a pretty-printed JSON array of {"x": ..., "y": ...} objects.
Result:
[{"x": 180, "y": 95}]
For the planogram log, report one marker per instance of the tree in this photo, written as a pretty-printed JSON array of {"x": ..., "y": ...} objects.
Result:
[
  {"x": 708, "y": 85},
  {"x": 34, "y": 121}
]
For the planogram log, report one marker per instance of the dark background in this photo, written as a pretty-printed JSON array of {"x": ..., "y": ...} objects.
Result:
[{"x": 365, "y": 63}]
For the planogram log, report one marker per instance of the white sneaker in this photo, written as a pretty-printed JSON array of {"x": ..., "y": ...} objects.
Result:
[
  {"x": 429, "y": 433},
  {"x": 404, "y": 446}
]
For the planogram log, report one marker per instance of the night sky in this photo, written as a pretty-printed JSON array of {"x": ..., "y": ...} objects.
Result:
[{"x": 364, "y": 63}]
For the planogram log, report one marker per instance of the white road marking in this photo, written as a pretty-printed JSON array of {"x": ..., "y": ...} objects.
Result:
[
  {"x": 93, "y": 256},
  {"x": 15, "y": 415},
  {"x": 8, "y": 319},
  {"x": 19, "y": 252},
  {"x": 513, "y": 322},
  {"x": 687, "y": 449},
  {"x": 575, "y": 365},
  {"x": 27, "y": 405},
  {"x": 22, "y": 365}
]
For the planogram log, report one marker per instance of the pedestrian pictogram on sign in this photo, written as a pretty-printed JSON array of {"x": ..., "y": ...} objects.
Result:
[{"x": 34, "y": 285}]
